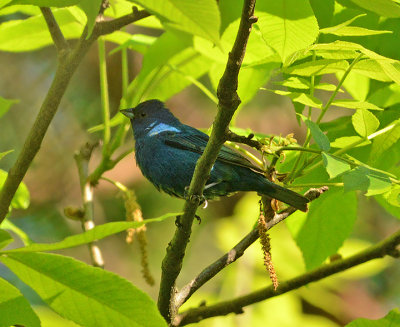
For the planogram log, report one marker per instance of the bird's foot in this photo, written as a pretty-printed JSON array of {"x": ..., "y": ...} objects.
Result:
[
  {"x": 198, "y": 218},
  {"x": 194, "y": 198}
]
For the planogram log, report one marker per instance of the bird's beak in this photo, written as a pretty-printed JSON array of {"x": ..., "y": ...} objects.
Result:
[{"x": 128, "y": 113}]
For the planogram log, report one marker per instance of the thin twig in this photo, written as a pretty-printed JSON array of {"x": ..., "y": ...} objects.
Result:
[
  {"x": 237, "y": 251},
  {"x": 228, "y": 103},
  {"x": 248, "y": 140},
  {"x": 389, "y": 246},
  {"x": 82, "y": 159},
  {"x": 109, "y": 26},
  {"x": 58, "y": 38}
]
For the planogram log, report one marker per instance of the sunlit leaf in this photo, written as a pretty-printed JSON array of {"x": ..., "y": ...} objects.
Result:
[
  {"x": 386, "y": 96},
  {"x": 356, "y": 31},
  {"x": 3, "y": 154},
  {"x": 317, "y": 67},
  {"x": 386, "y": 8},
  {"x": 199, "y": 17},
  {"x": 32, "y": 33},
  {"x": 364, "y": 122},
  {"x": 5, "y": 239},
  {"x": 21, "y": 197},
  {"x": 71, "y": 287},
  {"x": 45, "y": 3},
  {"x": 320, "y": 138},
  {"x": 322, "y": 231},
  {"x": 334, "y": 165},
  {"x": 342, "y": 142},
  {"x": 97, "y": 233},
  {"x": 384, "y": 142},
  {"x": 352, "y": 104},
  {"x": 5, "y": 104},
  {"x": 14, "y": 308},
  {"x": 302, "y": 98},
  {"x": 392, "y": 319},
  {"x": 91, "y": 9},
  {"x": 287, "y": 25},
  {"x": 367, "y": 180}
]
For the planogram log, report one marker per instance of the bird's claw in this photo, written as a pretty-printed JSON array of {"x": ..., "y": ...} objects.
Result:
[
  {"x": 194, "y": 198},
  {"x": 178, "y": 222},
  {"x": 198, "y": 218}
]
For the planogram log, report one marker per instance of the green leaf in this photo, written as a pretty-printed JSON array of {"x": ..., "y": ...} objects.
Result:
[
  {"x": 372, "y": 69},
  {"x": 341, "y": 25},
  {"x": 344, "y": 30},
  {"x": 199, "y": 17},
  {"x": 5, "y": 104},
  {"x": 317, "y": 67},
  {"x": 391, "y": 70},
  {"x": 96, "y": 233},
  {"x": 302, "y": 84},
  {"x": 386, "y": 8},
  {"x": 137, "y": 42},
  {"x": 21, "y": 198},
  {"x": 334, "y": 165},
  {"x": 287, "y": 25},
  {"x": 257, "y": 52},
  {"x": 5, "y": 239},
  {"x": 45, "y": 3},
  {"x": 393, "y": 210},
  {"x": 14, "y": 308},
  {"x": 302, "y": 98},
  {"x": 176, "y": 50},
  {"x": 71, "y": 288},
  {"x": 392, "y": 319},
  {"x": 386, "y": 96},
  {"x": 32, "y": 33},
  {"x": 322, "y": 231},
  {"x": 3, "y": 154},
  {"x": 7, "y": 224},
  {"x": 367, "y": 180},
  {"x": 384, "y": 142},
  {"x": 364, "y": 122},
  {"x": 356, "y": 31},
  {"x": 356, "y": 85},
  {"x": 173, "y": 79},
  {"x": 320, "y": 138},
  {"x": 91, "y": 9},
  {"x": 352, "y": 104},
  {"x": 345, "y": 141}
]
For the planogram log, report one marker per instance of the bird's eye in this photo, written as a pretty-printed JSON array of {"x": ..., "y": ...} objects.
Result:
[{"x": 143, "y": 114}]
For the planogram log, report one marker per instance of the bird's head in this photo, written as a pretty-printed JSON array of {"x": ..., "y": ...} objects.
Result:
[{"x": 149, "y": 115}]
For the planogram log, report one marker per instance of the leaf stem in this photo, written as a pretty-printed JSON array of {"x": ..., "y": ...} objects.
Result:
[{"x": 105, "y": 102}]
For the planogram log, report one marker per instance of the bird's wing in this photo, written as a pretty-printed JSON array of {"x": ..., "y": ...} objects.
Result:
[{"x": 196, "y": 141}]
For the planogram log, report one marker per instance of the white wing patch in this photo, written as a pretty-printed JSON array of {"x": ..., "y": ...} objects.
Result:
[{"x": 155, "y": 129}]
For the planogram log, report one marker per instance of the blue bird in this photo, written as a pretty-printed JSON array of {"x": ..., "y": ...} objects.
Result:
[{"x": 167, "y": 151}]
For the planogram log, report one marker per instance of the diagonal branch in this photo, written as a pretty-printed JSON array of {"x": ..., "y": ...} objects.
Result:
[
  {"x": 107, "y": 27},
  {"x": 228, "y": 103},
  {"x": 55, "y": 31},
  {"x": 389, "y": 246},
  {"x": 237, "y": 251}
]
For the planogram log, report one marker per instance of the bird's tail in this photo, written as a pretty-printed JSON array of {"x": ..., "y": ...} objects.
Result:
[{"x": 285, "y": 195}]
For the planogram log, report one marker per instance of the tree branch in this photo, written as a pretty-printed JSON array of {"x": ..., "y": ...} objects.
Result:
[
  {"x": 237, "y": 251},
  {"x": 248, "y": 140},
  {"x": 66, "y": 67},
  {"x": 228, "y": 103},
  {"x": 55, "y": 31},
  {"x": 389, "y": 246},
  {"x": 107, "y": 27}
]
